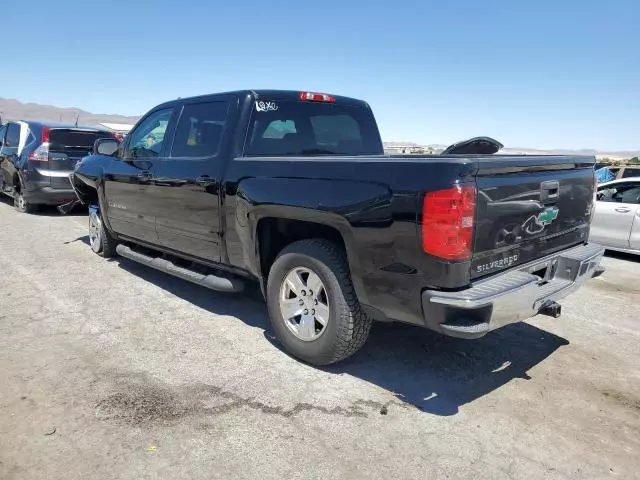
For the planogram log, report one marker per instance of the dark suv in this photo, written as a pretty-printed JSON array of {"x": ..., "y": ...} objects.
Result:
[{"x": 36, "y": 160}]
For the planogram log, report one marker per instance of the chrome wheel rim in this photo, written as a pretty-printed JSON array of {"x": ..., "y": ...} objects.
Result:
[
  {"x": 304, "y": 304},
  {"x": 22, "y": 205},
  {"x": 95, "y": 239}
]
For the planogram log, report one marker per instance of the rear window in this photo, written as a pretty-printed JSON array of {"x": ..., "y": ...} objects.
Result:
[
  {"x": 307, "y": 129},
  {"x": 63, "y": 139}
]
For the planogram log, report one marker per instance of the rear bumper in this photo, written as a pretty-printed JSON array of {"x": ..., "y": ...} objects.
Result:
[
  {"x": 49, "y": 195},
  {"x": 512, "y": 296}
]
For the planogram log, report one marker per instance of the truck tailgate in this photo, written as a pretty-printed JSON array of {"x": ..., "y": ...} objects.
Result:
[{"x": 529, "y": 207}]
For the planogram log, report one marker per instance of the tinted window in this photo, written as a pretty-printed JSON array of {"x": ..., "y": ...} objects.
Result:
[
  {"x": 199, "y": 130},
  {"x": 330, "y": 130},
  {"x": 279, "y": 128},
  {"x": 13, "y": 136},
  {"x": 67, "y": 139},
  {"x": 304, "y": 128},
  {"x": 631, "y": 172},
  {"x": 147, "y": 138}
]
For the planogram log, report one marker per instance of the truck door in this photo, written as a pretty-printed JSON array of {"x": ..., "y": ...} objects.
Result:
[
  {"x": 130, "y": 209},
  {"x": 186, "y": 185}
]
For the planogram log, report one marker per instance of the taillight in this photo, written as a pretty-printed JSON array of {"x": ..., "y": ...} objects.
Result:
[
  {"x": 448, "y": 217},
  {"x": 316, "y": 97},
  {"x": 41, "y": 154}
]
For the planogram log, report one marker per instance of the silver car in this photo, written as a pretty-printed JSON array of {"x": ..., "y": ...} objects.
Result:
[{"x": 616, "y": 224}]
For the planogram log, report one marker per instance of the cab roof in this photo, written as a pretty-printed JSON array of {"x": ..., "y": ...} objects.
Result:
[{"x": 266, "y": 94}]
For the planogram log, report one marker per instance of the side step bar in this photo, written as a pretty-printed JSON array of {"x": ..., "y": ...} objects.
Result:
[{"x": 221, "y": 284}]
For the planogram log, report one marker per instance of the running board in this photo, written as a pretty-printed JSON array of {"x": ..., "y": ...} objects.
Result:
[{"x": 221, "y": 284}]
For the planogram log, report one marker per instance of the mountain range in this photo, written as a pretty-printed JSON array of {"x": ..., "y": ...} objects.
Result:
[
  {"x": 15, "y": 110},
  {"x": 11, "y": 109}
]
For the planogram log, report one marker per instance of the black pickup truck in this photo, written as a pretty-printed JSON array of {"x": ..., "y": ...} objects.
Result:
[{"x": 292, "y": 189}]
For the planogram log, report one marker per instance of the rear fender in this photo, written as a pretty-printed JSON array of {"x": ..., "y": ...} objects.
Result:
[{"x": 344, "y": 207}]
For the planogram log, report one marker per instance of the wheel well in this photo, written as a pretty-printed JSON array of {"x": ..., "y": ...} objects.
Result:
[
  {"x": 90, "y": 195},
  {"x": 274, "y": 234},
  {"x": 16, "y": 182}
]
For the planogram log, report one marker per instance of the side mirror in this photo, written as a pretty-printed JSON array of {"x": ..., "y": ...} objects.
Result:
[{"x": 105, "y": 146}]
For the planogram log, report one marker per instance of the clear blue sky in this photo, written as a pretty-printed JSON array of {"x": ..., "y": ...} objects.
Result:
[{"x": 561, "y": 73}]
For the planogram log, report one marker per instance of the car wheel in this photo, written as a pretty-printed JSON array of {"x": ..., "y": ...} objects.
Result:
[
  {"x": 312, "y": 303},
  {"x": 22, "y": 205},
  {"x": 100, "y": 240}
]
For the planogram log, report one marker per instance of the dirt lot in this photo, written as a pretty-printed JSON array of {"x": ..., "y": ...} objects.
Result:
[{"x": 110, "y": 370}]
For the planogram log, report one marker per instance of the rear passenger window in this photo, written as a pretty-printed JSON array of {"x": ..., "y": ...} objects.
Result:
[{"x": 200, "y": 130}]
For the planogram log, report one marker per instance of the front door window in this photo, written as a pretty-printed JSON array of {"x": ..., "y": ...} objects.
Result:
[{"x": 147, "y": 140}]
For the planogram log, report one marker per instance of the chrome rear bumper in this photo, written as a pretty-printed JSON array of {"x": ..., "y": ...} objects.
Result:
[{"x": 512, "y": 296}]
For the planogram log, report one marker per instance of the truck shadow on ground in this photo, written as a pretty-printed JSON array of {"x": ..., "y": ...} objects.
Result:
[
  {"x": 433, "y": 373},
  {"x": 439, "y": 374}
]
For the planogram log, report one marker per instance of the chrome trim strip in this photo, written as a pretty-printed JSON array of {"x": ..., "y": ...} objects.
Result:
[{"x": 54, "y": 173}]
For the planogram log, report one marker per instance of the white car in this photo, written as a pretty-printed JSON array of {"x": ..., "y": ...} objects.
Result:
[{"x": 616, "y": 224}]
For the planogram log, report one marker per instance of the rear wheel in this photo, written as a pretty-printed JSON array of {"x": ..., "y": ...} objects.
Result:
[
  {"x": 312, "y": 304},
  {"x": 100, "y": 239},
  {"x": 21, "y": 204}
]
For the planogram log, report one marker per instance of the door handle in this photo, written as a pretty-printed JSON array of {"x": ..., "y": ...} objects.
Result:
[
  {"x": 549, "y": 191},
  {"x": 622, "y": 210},
  {"x": 204, "y": 180}
]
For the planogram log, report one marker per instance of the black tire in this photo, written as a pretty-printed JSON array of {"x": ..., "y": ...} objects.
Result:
[
  {"x": 348, "y": 326},
  {"x": 21, "y": 205},
  {"x": 100, "y": 240}
]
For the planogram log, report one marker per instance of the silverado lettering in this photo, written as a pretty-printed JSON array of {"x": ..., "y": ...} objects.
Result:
[{"x": 502, "y": 263}]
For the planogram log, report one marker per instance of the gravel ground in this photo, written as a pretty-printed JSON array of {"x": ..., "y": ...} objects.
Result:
[{"x": 111, "y": 370}]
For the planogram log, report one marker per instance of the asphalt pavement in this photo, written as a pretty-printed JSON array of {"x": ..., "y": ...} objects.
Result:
[{"x": 111, "y": 370}]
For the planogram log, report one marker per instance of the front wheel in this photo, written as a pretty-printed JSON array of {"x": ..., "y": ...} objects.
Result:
[
  {"x": 100, "y": 239},
  {"x": 312, "y": 304}
]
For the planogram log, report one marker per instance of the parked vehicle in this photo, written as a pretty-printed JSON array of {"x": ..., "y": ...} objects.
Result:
[
  {"x": 292, "y": 189},
  {"x": 616, "y": 224},
  {"x": 36, "y": 160}
]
